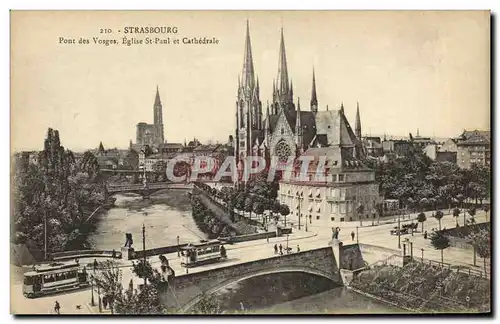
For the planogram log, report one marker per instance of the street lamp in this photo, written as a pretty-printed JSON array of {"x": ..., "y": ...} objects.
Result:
[
  {"x": 92, "y": 301},
  {"x": 357, "y": 235},
  {"x": 178, "y": 247},
  {"x": 422, "y": 249},
  {"x": 299, "y": 212},
  {"x": 287, "y": 243}
]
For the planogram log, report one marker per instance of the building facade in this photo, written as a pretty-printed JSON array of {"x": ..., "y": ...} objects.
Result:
[
  {"x": 473, "y": 147},
  {"x": 349, "y": 185}
]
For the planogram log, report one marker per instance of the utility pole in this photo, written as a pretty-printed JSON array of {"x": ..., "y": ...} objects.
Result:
[
  {"x": 357, "y": 235},
  {"x": 45, "y": 234},
  {"x": 298, "y": 198},
  {"x": 422, "y": 249},
  {"x": 399, "y": 231},
  {"x": 144, "y": 252}
]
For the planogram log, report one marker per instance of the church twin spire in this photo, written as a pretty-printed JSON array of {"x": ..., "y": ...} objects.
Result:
[{"x": 248, "y": 74}]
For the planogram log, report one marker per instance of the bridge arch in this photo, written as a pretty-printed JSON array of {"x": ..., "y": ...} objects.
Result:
[{"x": 262, "y": 272}]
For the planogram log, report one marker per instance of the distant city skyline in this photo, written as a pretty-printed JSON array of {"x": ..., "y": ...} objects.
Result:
[{"x": 408, "y": 70}]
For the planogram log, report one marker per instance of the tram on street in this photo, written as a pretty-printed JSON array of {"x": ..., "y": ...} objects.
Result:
[
  {"x": 205, "y": 252},
  {"x": 55, "y": 277}
]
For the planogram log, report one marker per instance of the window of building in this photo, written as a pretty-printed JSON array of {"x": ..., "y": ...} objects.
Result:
[
  {"x": 334, "y": 178},
  {"x": 342, "y": 208},
  {"x": 332, "y": 219},
  {"x": 350, "y": 219},
  {"x": 317, "y": 217},
  {"x": 282, "y": 131},
  {"x": 341, "y": 178},
  {"x": 341, "y": 219},
  {"x": 349, "y": 207}
]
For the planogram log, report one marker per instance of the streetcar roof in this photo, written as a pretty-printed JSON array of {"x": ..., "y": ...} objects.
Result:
[
  {"x": 47, "y": 273},
  {"x": 202, "y": 244}
]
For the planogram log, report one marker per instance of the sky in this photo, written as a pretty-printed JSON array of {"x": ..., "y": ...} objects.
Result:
[{"x": 408, "y": 70}]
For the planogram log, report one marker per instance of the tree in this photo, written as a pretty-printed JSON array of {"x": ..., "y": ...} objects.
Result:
[
  {"x": 421, "y": 218},
  {"x": 486, "y": 209},
  {"x": 360, "y": 211},
  {"x": 284, "y": 211},
  {"x": 481, "y": 242},
  {"x": 109, "y": 280},
  {"x": 440, "y": 242},
  {"x": 439, "y": 214},
  {"x": 207, "y": 305},
  {"x": 249, "y": 205},
  {"x": 258, "y": 208},
  {"x": 472, "y": 213},
  {"x": 456, "y": 214}
]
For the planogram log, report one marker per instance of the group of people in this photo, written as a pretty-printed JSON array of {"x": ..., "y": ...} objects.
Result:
[
  {"x": 278, "y": 249},
  {"x": 336, "y": 232}
]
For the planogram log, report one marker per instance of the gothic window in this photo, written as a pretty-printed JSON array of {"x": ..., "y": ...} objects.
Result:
[
  {"x": 282, "y": 131},
  {"x": 282, "y": 150}
]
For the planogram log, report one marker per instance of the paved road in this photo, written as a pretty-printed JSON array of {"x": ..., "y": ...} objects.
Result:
[{"x": 316, "y": 237}]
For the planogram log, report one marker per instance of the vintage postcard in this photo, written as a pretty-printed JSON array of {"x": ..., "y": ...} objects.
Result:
[{"x": 250, "y": 162}]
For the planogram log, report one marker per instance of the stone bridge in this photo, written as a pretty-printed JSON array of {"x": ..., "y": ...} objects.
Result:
[
  {"x": 147, "y": 190},
  {"x": 188, "y": 289}
]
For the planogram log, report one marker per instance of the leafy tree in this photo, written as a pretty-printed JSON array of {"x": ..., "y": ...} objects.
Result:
[
  {"x": 486, "y": 209},
  {"x": 109, "y": 280},
  {"x": 439, "y": 215},
  {"x": 439, "y": 242},
  {"x": 207, "y": 306},
  {"x": 421, "y": 218},
  {"x": 472, "y": 213},
  {"x": 284, "y": 211},
  {"x": 258, "y": 208},
  {"x": 249, "y": 205},
  {"x": 360, "y": 211},
  {"x": 481, "y": 242},
  {"x": 456, "y": 214}
]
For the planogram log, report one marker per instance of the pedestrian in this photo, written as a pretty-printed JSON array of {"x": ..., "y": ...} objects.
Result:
[
  {"x": 57, "y": 308},
  {"x": 298, "y": 248},
  {"x": 95, "y": 264},
  {"x": 352, "y": 235},
  {"x": 105, "y": 302},
  {"x": 281, "y": 249},
  {"x": 425, "y": 235},
  {"x": 113, "y": 254},
  {"x": 275, "y": 248}
]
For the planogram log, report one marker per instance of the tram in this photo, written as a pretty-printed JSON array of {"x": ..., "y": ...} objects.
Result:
[
  {"x": 55, "y": 277},
  {"x": 205, "y": 252}
]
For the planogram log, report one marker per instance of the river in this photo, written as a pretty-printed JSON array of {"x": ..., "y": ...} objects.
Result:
[{"x": 169, "y": 215}]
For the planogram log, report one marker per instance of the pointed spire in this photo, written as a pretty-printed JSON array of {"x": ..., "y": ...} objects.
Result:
[
  {"x": 418, "y": 133},
  {"x": 342, "y": 107},
  {"x": 282, "y": 80},
  {"x": 157, "y": 98},
  {"x": 291, "y": 91},
  {"x": 298, "y": 126},
  {"x": 314, "y": 98},
  {"x": 326, "y": 107},
  {"x": 357, "y": 126},
  {"x": 248, "y": 70}
]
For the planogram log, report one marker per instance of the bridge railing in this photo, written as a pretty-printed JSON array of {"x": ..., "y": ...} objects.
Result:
[{"x": 85, "y": 253}]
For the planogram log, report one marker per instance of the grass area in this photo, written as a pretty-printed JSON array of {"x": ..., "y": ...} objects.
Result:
[{"x": 426, "y": 288}]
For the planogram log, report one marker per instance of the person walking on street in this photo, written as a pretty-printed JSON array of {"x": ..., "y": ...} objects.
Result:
[
  {"x": 57, "y": 308},
  {"x": 281, "y": 249},
  {"x": 95, "y": 264},
  {"x": 275, "y": 248},
  {"x": 352, "y": 235},
  {"x": 298, "y": 248}
]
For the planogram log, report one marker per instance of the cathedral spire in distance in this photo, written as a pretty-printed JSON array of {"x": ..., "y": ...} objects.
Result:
[
  {"x": 314, "y": 98},
  {"x": 157, "y": 98},
  {"x": 357, "y": 126},
  {"x": 248, "y": 78}
]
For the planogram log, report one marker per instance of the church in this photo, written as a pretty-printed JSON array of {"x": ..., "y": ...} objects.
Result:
[
  {"x": 151, "y": 134},
  {"x": 286, "y": 129},
  {"x": 348, "y": 191}
]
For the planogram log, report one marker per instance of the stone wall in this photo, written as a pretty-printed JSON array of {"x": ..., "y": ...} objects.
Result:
[
  {"x": 350, "y": 257},
  {"x": 189, "y": 287}
]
